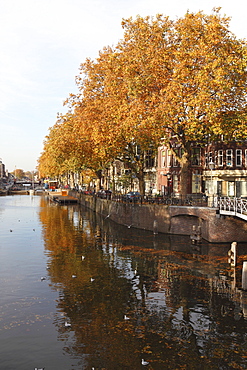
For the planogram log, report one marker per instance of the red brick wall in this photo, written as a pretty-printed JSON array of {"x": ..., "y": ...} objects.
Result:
[{"x": 171, "y": 220}]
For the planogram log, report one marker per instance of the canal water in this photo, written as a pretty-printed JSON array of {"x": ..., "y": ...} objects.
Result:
[{"x": 80, "y": 292}]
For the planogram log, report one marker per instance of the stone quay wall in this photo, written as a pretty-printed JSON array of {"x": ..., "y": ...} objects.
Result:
[{"x": 178, "y": 220}]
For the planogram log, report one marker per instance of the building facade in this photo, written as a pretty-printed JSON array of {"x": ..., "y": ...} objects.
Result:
[
  {"x": 168, "y": 171},
  {"x": 217, "y": 169},
  {"x": 2, "y": 170},
  {"x": 225, "y": 172}
]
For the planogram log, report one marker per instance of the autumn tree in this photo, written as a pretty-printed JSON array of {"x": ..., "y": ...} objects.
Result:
[
  {"x": 18, "y": 173},
  {"x": 31, "y": 174},
  {"x": 183, "y": 81},
  {"x": 117, "y": 99},
  {"x": 188, "y": 78},
  {"x": 179, "y": 82},
  {"x": 207, "y": 88},
  {"x": 60, "y": 149},
  {"x": 68, "y": 149},
  {"x": 49, "y": 163}
]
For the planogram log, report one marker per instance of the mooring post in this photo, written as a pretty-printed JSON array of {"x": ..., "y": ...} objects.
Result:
[
  {"x": 196, "y": 235},
  {"x": 199, "y": 234},
  {"x": 193, "y": 234},
  {"x": 232, "y": 254},
  {"x": 244, "y": 276},
  {"x": 155, "y": 227}
]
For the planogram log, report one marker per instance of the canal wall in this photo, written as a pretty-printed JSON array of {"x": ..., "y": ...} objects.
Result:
[{"x": 169, "y": 219}]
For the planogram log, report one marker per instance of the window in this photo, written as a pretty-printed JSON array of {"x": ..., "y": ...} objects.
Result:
[
  {"x": 196, "y": 157},
  {"x": 246, "y": 158},
  {"x": 238, "y": 157},
  {"x": 138, "y": 150},
  {"x": 196, "y": 182},
  {"x": 169, "y": 158},
  {"x": 175, "y": 183},
  {"x": 163, "y": 158},
  {"x": 149, "y": 159},
  {"x": 175, "y": 161},
  {"x": 229, "y": 157},
  {"x": 209, "y": 158},
  {"x": 231, "y": 188},
  {"x": 220, "y": 158}
]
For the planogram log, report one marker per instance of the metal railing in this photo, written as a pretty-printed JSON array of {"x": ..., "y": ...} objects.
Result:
[
  {"x": 231, "y": 206},
  {"x": 198, "y": 200},
  {"x": 226, "y": 205}
]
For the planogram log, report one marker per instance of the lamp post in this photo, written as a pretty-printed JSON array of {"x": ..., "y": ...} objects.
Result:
[
  {"x": 169, "y": 177},
  {"x": 211, "y": 167}
]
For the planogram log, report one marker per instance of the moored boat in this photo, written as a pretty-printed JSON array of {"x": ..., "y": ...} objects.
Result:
[
  {"x": 19, "y": 192},
  {"x": 3, "y": 191}
]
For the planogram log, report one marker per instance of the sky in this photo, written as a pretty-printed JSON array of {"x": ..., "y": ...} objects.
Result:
[{"x": 43, "y": 43}]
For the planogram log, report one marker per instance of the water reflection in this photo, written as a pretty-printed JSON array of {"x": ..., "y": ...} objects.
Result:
[
  {"x": 184, "y": 310},
  {"x": 132, "y": 296}
]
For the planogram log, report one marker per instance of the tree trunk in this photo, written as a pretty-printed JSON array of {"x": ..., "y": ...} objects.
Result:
[
  {"x": 184, "y": 175},
  {"x": 72, "y": 179},
  {"x": 98, "y": 180},
  {"x": 140, "y": 177}
]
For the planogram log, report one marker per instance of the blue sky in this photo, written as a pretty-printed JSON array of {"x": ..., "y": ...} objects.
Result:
[{"x": 42, "y": 44}]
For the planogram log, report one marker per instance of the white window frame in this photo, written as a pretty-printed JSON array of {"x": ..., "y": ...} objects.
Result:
[
  {"x": 216, "y": 157},
  {"x": 196, "y": 155},
  {"x": 238, "y": 156},
  {"x": 163, "y": 158},
  {"x": 169, "y": 158},
  {"x": 229, "y": 157},
  {"x": 175, "y": 161},
  {"x": 220, "y": 158}
]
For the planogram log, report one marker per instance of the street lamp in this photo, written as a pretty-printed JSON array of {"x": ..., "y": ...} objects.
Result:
[
  {"x": 211, "y": 167},
  {"x": 169, "y": 177}
]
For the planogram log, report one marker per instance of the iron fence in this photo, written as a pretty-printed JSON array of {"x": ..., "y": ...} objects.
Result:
[
  {"x": 232, "y": 206},
  {"x": 198, "y": 200}
]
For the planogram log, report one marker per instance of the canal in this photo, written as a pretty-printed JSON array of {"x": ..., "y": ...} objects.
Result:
[{"x": 80, "y": 292}]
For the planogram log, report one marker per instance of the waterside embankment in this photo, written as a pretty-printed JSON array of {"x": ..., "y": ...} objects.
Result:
[{"x": 178, "y": 220}]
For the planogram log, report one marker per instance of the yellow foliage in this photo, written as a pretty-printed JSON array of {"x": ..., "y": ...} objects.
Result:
[{"x": 180, "y": 80}]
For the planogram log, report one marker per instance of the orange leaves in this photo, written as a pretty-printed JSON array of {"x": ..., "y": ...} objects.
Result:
[
  {"x": 165, "y": 78},
  {"x": 207, "y": 77}
]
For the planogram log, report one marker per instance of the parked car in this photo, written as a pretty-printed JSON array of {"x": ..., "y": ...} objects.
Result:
[
  {"x": 87, "y": 192},
  {"x": 108, "y": 194},
  {"x": 101, "y": 194},
  {"x": 132, "y": 196},
  {"x": 104, "y": 194}
]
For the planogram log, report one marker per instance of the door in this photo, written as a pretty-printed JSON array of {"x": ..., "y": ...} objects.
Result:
[{"x": 238, "y": 189}]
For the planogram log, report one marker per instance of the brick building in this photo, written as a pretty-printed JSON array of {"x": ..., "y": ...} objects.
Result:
[
  {"x": 219, "y": 168},
  {"x": 168, "y": 171}
]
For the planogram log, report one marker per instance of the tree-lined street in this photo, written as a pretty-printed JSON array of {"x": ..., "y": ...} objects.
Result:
[{"x": 169, "y": 82}]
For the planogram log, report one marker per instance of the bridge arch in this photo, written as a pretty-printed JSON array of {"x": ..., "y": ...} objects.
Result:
[{"x": 183, "y": 223}]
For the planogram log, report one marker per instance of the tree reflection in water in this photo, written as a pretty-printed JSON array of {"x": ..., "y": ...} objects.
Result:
[{"x": 184, "y": 311}]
